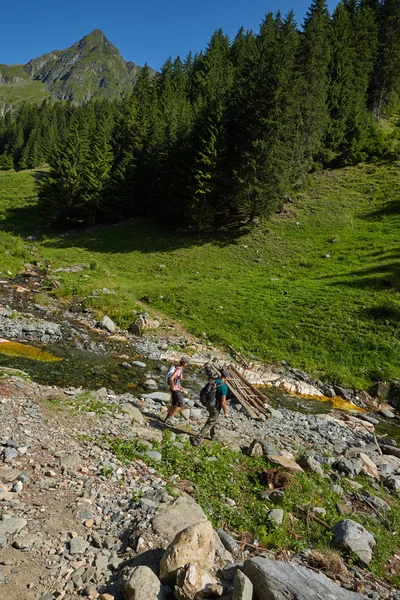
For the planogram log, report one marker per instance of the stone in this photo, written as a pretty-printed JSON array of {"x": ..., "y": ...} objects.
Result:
[
  {"x": 390, "y": 450},
  {"x": 368, "y": 467},
  {"x": 242, "y": 587},
  {"x": 24, "y": 542},
  {"x": 191, "y": 582},
  {"x": 78, "y": 545},
  {"x": 350, "y": 466},
  {"x": 275, "y": 580},
  {"x": 255, "y": 449},
  {"x": 385, "y": 412},
  {"x": 171, "y": 518},
  {"x": 161, "y": 397},
  {"x": 379, "y": 504},
  {"x": 139, "y": 364},
  {"x": 106, "y": 597},
  {"x": 228, "y": 542},
  {"x": 275, "y": 515},
  {"x": 195, "y": 544},
  {"x": 133, "y": 412},
  {"x": 353, "y": 537},
  {"x": 287, "y": 463},
  {"x": 143, "y": 584},
  {"x": 221, "y": 552},
  {"x": 275, "y": 413},
  {"x": 147, "y": 433},
  {"x": 154, "y": 455},
  {"x": 308, "y": 463},
  {"x": 108, "y": 324},
  {"x": 343, "y": 509},
  {"x": 196, "y": 414},
  {"x": 392, "y": 483},
  {"x": 11, "y": 525},
  {"x": 72, "y": 462},
  {"x": 9, "y": 474}
]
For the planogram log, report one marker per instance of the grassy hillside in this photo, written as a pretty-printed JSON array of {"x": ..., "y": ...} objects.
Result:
[
  {"x": 316, "y": 286},
  {"x": 19, "y": 87}
]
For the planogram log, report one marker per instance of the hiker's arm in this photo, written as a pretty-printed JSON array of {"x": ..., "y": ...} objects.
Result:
[
  {"x": 172, "y": 381},
  {"x": 224, "y": 406}
]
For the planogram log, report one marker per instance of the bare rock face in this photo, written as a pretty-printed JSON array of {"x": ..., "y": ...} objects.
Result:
[
  {"x": 353, "y": 537},
  {"x": 275, "y": 580},
  {"x": 192, "y": 582},
  {"x": 195, "y": 544},
  {"x": 242, "y": 587},
  {"x": 143, "y": 584}
]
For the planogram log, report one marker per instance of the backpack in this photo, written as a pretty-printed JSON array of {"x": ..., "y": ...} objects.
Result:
[
  {"x": 208, "y": 395},
  {"x": 168, "y": 375}
]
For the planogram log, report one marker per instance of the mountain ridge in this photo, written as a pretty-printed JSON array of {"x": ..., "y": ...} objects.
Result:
[{"x": 92, "y": 67}]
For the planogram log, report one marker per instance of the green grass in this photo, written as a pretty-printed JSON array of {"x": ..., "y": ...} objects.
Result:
[
  {"x": 240, "y": 478},
  {"x": 21, "y": 89},
  {"x": 271, "y": 293}
]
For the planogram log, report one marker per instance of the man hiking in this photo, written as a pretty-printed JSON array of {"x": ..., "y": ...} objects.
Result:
[
  {"x": 221, "y": 393},
  {"x": 174, "y": 383}
]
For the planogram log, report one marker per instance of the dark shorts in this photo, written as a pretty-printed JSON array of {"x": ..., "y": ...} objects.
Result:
[{"x": 176, "y": 398}]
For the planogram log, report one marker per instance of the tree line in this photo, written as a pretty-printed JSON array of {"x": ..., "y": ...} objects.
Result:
[{"x": 218, "y": 139}]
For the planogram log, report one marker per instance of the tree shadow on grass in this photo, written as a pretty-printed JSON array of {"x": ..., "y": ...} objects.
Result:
[{"x": 140, "y": 235}]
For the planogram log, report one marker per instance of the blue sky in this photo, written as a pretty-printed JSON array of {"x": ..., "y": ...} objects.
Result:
[{"x": 144, "y": 31}]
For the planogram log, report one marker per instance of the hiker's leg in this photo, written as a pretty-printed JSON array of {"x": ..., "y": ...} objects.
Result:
[
  {"x": 176, "y": 404},
  {"x": 213, "y": 414}
]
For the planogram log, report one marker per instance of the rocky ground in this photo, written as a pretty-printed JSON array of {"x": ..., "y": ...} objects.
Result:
[{"x": 76, "y": 521}]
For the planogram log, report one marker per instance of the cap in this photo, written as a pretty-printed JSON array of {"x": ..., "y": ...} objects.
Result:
[
  {"x": 185, "y": 359},
  {"x": 225, "y": 373}
]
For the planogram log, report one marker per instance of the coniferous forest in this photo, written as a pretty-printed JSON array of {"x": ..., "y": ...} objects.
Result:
[{"x": 219, "y": 138}]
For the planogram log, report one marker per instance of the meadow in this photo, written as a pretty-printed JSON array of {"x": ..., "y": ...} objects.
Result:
[{"x": 317, "y": 286}]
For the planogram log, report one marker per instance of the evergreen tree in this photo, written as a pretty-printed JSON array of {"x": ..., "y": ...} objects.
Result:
[
  {"x": 385, "y": 92},
  {"x": 315, "y": 54}
]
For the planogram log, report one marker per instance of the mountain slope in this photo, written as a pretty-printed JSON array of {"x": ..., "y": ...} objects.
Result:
[{"x": 93, "y": 67}]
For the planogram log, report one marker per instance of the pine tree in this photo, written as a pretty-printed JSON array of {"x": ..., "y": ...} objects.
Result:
[
  {"x": 315, "y": 54},
  {"x": 385, "y": 92}
]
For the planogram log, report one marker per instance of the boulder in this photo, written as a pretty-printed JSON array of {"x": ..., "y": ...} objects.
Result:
[
  {"x": 392, "y": 483},
  {"x": 368, "y": 467},
  {"x": 228, "y": 542},
  {"x": 350, "y": 466},
  {"x": 161, "y": 397},
  {"x": 275, "y": 580},
  {"x": 385, "y": 412},
  {"x": 308, "y": 463},
  {"x": 192, "y": 580},
  {"x": 353, "y": 537},
  {"x": 143, "y": 323},
  {"x": 390, "y": 450},
  {"x": 143, "y": 584},
  {"x": 287, "y": 463},
  {"x": 133, "y": 412},
  {"x": 195, "y": 544},
  {"x": 394, "y": 394},
  {"x": 107, "y": 324},
  {"x": 147, "y": 433},
  {"x": 174, "y": 516},
  {"x": 242, "y": 587}
]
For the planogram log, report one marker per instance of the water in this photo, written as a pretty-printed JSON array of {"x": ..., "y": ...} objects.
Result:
[{"x": 80, "y": 368}]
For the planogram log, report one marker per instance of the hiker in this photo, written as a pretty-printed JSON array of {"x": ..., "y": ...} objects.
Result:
[
  {"x": 174, "y": 382},
  {"x": 221, "y": 392}
]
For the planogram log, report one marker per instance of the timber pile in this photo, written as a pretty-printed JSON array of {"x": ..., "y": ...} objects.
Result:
[{"x": 252, "y": 400}]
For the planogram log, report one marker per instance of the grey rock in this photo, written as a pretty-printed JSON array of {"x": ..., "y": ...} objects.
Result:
[
  {"x": 386, "y": 413},
  {"x": 276, "y": 515},
  {"x": 228, "y": 542},
  {"x": 310, "y": 464},
  {"x": 171, "y": 518},
  {"x": 11, "y": 525},
  {"x": 24, "y": 542},
  {"x": 148, "y": 505},
  {"x": 391, "y": 450},
  {"x": 154, "y": 455},
  {"x": 138, "y": 363},
  {"x": 242, "y": 587},
  {"x": 161, "y": 397},
  {"x": 350, "y": 466},
  {"x": 275, "y": 413},
  {"x": 379, "y": 504},
  {"x": 392, "y": 483},
  {"x": 78, "y": 545},
  {"x": 275, "y": 580},
  {"x": 10, "y": 454},
  {"x": 353, "y": 537},
  {"x": 133, "y": 412},
  {"x": 143, "y": 584},
  {"x": 108, "y": 324}
]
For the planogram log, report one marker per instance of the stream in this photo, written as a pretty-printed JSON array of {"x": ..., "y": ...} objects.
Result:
[{"x": 70, "y": 367}]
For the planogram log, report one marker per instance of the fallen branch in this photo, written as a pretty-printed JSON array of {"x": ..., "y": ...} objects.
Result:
[
  {"x": 246, "y": 364},
  {"x": 313, "y": 517}
]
